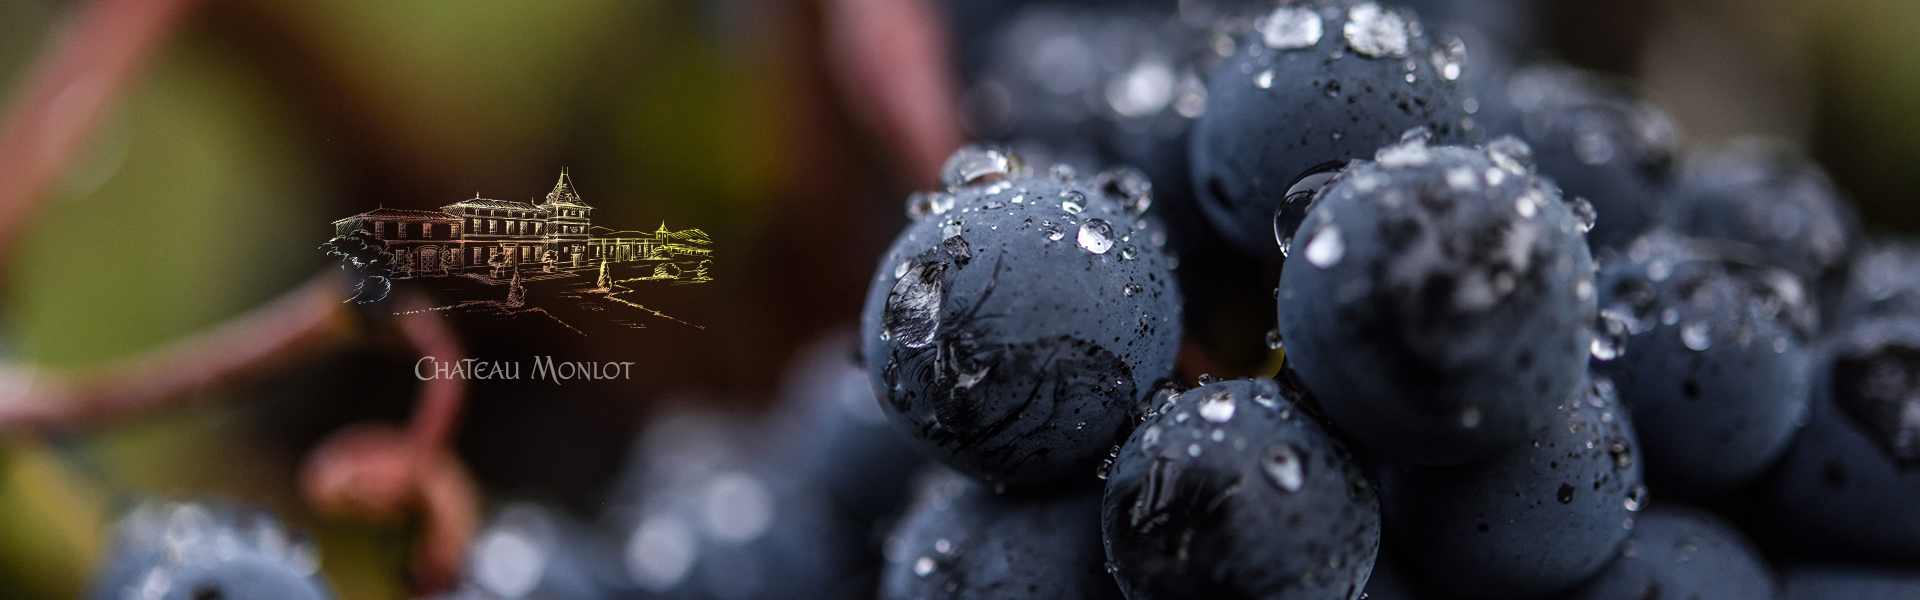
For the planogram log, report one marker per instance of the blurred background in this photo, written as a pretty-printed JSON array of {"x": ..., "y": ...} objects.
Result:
[{"x": 206, "y": 184}]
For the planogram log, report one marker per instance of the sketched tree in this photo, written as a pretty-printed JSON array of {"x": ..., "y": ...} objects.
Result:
[
  {"x": 499, "y": 263},
  {"x": 516, "y": 294},
  {"x": 547, "y": 259},
  {"x": 605, "y": 283},
  {"x": 666, "y": 271},
  {"x": 368, "y": 259}
]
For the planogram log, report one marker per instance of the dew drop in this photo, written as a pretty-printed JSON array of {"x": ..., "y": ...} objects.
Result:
[
  {"x": 1461, "y": 179},
  {"x": 1449, "y": 58},
  {"x": 1525, "y": 206},
  {"x": 1273, "y": 339},
  {"x": 977, "y": 164},
  {"x": 1283, "y": 467},
  {"x": 1376, "y": 32},
  {"x": 1131, "y": 289},
  {"x": 1264, "y": 80},
  {"x": 1610, "y": 334},
  {"x": 1583, "y": 214},
  {"x": 921, "y": 205},
  {"x": 1052, "y": 230},
  {"x": 1290, "y": 28},
  {"x": 1062, "y": 172},
  {"x": 1096, "y": 235},
  {"x": 1621, "y": 453},
  {"x": 1636, "y": 497},
  {"x": 1326, "y": 248},
  {"x": 1073, "y": 202},
  {"x": 1128, "y": 185},
  {"x": 1510, "y": 153},
  {"x": 923, "y": 566},
  {"x": 1697, "y": 335},
  {"x": 1410, "y": 153},
  {"x": 1218, "y": 406},
  {"x": 913, "y": 306}
]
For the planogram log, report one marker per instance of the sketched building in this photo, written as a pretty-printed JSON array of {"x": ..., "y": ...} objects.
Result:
[{"x": 471, "y": 233}]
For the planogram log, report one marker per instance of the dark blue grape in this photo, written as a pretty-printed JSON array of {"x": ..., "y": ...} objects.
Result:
[
  {"x": 1769, "y": 197},
  {"x": 1881, "y": 281},
  {"x": 1600, "y": 140},
  {"x": 1714, "y": 367},
  {"x": 1849, "y": 486},
  {"x": 1536, "y": 520},
  {"x": 1089, "y": 84},
  {"x": 703, "y": 512},
  {"x": 207, "y": 550},
  {"x": 1229, "y": 491},
  {"x": 1509, "y": 27},
  {"x": 1011, "y": 326},
  {"x": 961, "y": 541},
  {"x": 1678, "y": 552},
  {"x": 1317, "y": 83},
  {"x": 829, "y": 429},
  {"x": 530, "y": 551},
  {"x": 1438, "y": 301}
]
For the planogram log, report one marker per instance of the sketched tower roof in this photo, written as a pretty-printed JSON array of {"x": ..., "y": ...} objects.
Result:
[{"x": 564, "y": 193}]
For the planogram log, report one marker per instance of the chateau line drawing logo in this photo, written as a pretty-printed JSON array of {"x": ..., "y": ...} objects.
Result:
[{"x": 543, "y": 257}]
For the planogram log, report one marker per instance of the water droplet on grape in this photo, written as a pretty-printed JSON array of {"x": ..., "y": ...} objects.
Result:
[
  {"x": 1326, "y": 248},
  {"x": 1096, "y": 235},
  {"x": 1376, "y": 32},
  {"x": 1283, "y": 467},
  {"x": 1218, "y": 406},
  {"x": 1290, "y": 28}
]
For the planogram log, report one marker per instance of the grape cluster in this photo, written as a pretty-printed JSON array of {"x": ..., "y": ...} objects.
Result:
[
  {"x": 1528, "y": 344},
  {"x": 204, "y": 549}
]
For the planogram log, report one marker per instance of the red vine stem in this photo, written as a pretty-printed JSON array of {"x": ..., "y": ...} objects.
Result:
[
  {"x": 76, "y": 78},
  {"x": 306, "y": 322}
]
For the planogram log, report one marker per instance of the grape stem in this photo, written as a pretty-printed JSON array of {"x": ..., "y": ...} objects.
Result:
[
  {"x": 75, "y": 79},
  {"x": 307, "y": 322}
]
